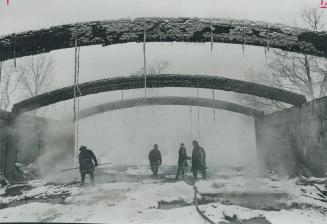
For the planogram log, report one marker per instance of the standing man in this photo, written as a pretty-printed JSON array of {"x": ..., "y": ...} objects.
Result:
[
  {"x": 182, "y": 160},
  {"x": 155, "y": 160},
  {"x": 198, "y": 160},
  {"x": 86, "y": 165}
]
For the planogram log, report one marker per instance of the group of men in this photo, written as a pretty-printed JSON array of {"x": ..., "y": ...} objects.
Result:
[
  {"x": 88, "y": 161},
  {"x": 198, "y": 160}
]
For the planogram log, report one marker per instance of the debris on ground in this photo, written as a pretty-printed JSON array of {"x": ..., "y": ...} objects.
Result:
[
  {"x": 320, "y": 184},
  {"x": 311, "y": 180},
  {"x": 24, "y": 172},
  {"x": 4, "y": 182}
]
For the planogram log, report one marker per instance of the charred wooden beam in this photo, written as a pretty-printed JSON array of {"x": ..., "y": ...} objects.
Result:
[
  {"x": 164, "y": 30},
  {"x": 160, "y": 81},
  {"x": 187, "y": 101}
]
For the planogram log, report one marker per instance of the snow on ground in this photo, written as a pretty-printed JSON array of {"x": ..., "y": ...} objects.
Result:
[
  {"x": 285, "y": 189},
  {"x": 139, "y": 170},
  {"x": 114, "y": 202},
  {"x": 163, "y": 200},
  {"x": 216, "y": 213}
]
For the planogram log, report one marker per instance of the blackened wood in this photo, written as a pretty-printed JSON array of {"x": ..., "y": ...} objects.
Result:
[
  {"x": 164, "y": 30},
  {"x": 160, "y": 81}
]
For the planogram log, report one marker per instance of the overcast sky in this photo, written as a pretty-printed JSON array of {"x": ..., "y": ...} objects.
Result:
[{"x": 138, "y": 129}]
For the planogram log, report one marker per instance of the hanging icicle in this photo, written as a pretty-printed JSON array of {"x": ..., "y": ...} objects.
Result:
[
  {"x": 78, "y": 67},
  {"x": 75, "y": 116},
  {"x": 14, "y": 53},
  {"x": 199, "y": 124},
  {"x": 213, "y": 110},
  {"x": 244, "y": 40},
  {"x": 77, "y": 93},
  {"x": 122, "y": 91},
  {"x": 267, "y": 47},
  {"x": 74, "y": 106},
  {"x": 268, "y": 38},
  {"x": 75, "y": 75},
  {"x": 78, "y": 99},
  {"x": 198, "y": 95},
  {"x": 211, "y": 35},
  {"x": 77, "y": 80},
  {"x": 230, "y": 32},
  {"x": 144, "y": 57},
  {"x": 191, "y": 124}
]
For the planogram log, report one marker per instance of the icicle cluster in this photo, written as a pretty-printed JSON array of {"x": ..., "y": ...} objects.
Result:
[
  {"x": 244, "y": 41},
  {"x": 76, "y": 89},
  {"x": 211, "y": 35},
  {"x": 144, "y": 57},
  {"x": 267, "y": 47}
]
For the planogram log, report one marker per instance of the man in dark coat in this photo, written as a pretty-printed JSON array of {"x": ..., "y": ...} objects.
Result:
[
  {"x": 86, "y": 165},
  {"x": 198, "y": 160},
  {"x": 155, "y": 160},
  {"x": 182, "y": 160}
]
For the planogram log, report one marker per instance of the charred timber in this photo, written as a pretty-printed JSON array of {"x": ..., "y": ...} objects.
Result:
[
  {"x": 187, "y": 101},
  {"x": 160, "y": 81},
  {"x": 164, "y": 30}
]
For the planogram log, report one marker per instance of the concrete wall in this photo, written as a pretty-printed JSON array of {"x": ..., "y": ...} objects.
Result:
[
  {"x": 4, "y": 119},
  {"x": 294, "y": 141}
]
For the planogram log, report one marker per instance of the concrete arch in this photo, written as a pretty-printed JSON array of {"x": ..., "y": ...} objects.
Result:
[
  {"x": 187, "y": 101},
  {"x": 164, "y": 30},
  {"x": 160, "y": 81}
]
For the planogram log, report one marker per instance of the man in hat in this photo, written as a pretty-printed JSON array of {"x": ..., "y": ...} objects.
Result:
[
  {"x": 155, "y": 160},
  {"x": 198, "y": 160},
  {"x": 182, "y": 160},
  {"x": 86, "y": 165}
]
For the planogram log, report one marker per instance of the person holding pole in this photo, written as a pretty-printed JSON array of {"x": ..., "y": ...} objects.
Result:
[{"x": 86, "y": 165}]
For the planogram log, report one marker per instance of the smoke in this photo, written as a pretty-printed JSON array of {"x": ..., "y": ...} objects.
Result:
[{"x": 47, "y": 144}]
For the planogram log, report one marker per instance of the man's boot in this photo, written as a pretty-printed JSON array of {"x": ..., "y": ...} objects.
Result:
[
  {"x": 82, "y": 179},
  {"x": 92, "y": 178},
  {"x": 195, "y": 175}
]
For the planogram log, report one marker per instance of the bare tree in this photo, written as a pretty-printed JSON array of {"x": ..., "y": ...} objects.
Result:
[
  {"x": 161, "y": 66},
  {"x": 8, "y": 85},
  {"x": 299, "y": 73},
  {"x": 311, "y": 18},
  {"x": 257, "y": 102},
  {"x": 155, "y": 68},
  {"x": 36, "y": 74}
]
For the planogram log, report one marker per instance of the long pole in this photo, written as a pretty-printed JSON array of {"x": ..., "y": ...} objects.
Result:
[
  {"x": 144, "y": 57},
  {"x": 75, "y": 168}
]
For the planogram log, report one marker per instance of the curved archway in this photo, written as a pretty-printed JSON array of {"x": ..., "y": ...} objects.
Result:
[
  {"x": 187, "y": 101},
  {"x": 164, "y": 30},
  {"x": 160, "y": 81}
]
